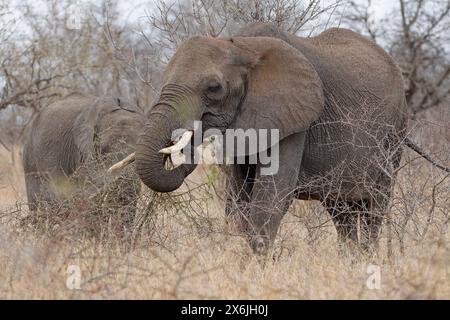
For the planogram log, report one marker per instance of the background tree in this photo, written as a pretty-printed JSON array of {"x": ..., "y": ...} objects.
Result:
[
  {"x": 44, "y": 57},
  {"x": 416, "y": 33}
]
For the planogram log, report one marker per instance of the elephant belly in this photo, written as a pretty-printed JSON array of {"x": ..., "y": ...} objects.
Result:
[{"x": 350, "y": 168}]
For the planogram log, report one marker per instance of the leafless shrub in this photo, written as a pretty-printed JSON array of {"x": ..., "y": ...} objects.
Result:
[
  {"x": 174, "y": 21},
  {"x": 88, "y": 204},
  {"x": 180, "y": 245},
  {"x": 417, "y": 38}
]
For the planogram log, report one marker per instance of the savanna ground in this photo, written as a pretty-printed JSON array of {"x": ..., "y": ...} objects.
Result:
[{"x": 183, "y": 248}]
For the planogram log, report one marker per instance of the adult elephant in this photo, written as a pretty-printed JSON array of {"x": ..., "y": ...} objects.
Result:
[
  {"x": 70, "y": 141},
  {"x": 339, "y": 105}
]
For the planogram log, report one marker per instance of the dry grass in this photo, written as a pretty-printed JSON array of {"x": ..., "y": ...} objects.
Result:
[{"x": 185, "y": 250}]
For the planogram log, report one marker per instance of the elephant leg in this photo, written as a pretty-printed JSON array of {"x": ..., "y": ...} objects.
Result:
[
  {"x": 372, "y": 221},
  {"x": 349, "y": 217},
  {"x": 272, "y": 194},
  {"x": 38, "y": 193},
  {"x": 370, "y": 230},
  {"x": 345, "y": 219},
  {"x": 239, "y": 185},
  {"x": 33, "y": 186}
]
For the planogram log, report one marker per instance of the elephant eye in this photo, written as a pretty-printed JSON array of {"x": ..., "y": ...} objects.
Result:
[{"x": 214, "y": 88}]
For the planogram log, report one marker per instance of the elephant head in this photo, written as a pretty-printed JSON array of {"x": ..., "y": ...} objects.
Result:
[
  {"x": 106, "y": 127},
  {"x": 238, "y": 83}
]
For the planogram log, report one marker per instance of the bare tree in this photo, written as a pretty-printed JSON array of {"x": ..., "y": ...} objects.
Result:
[
  {"x": 174, "y": 21},
  {"x": 417, "y": 34},
  {"x": 44, "y": 58}
]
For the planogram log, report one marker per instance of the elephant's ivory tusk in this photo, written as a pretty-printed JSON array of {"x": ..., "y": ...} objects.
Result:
[
  {"x": 122, "y": 164},
  {"x": 177, "y": 159},
  {"x": 185, "y": 139},
  {"x": 174, "y": 160}
]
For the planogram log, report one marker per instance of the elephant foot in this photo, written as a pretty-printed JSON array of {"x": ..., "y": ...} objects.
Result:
[{"x": 260, "y": 245}]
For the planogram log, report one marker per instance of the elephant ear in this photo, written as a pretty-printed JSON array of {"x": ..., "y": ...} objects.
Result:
[
  {"x": 85, "y": 130},
  {"x": 284, "y": 91}
]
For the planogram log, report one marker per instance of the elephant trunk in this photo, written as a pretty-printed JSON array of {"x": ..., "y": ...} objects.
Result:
[{"x": 172, "y": 112}]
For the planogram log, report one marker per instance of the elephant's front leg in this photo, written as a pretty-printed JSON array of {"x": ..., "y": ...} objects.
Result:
[
  {"x": 239, "y": 182},
  {"x": 272, "y": 194}
]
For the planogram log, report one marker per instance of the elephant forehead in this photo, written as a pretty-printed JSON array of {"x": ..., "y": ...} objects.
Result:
[{"x": 197, "y": 58}]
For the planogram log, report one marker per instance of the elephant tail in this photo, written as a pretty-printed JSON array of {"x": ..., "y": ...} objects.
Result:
[{"x": 423, "y": 154}]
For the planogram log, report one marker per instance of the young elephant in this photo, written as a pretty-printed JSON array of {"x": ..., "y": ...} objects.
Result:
[{"x": 71, "y": 142}]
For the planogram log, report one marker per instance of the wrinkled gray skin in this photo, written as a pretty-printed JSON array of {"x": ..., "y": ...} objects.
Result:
[
  {"x": 72, "y": 138},
  {"x": 337, "y": 99}
]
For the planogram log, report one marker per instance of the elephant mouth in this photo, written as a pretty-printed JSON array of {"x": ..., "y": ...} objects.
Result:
[{"x": 173, "y": 154}]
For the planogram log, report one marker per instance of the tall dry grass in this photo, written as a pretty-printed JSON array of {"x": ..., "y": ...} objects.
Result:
[{"x": 183, "y": 248}]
